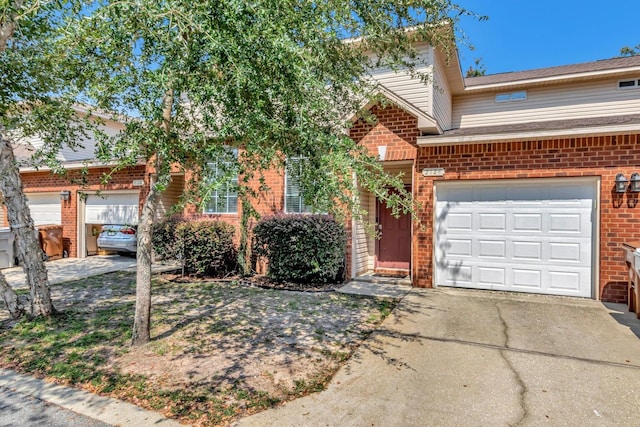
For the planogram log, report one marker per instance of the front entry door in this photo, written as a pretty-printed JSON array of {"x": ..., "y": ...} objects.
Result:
[{"x": 393, "y": 249}]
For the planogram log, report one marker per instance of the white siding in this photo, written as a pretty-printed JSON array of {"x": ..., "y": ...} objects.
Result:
[
  {"x": 412, "y": 90},
  {"x": 582, "y": 100},
  {"x": 170, "y": 197},
  {"x": 441, "y": 97},
  {"x": 360, "y": 250},
  {"x": 86, "y": 152}
]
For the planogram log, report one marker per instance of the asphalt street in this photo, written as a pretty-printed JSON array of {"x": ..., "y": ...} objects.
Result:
[{"x": 17, "y": 409}]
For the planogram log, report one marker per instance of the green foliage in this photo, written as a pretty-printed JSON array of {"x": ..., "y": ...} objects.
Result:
[
  {"x": 630, "y": 51},
  {"x": 165, "y": 241},
  {"x": 302, "y": 248},
  {"x": 476, "y": 70},
  {"x": 204, "y": 246}
]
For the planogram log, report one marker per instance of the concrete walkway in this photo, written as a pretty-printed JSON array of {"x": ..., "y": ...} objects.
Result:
[
  {"x": 69, "y": 269},
  {"x": 450, "y": 357}
]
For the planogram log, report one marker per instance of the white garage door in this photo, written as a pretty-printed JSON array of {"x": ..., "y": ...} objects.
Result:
[
  {"x": 533, "y": 236},
  {"x": 45, "y": 208},
  {"x": 112, "y": 209}
]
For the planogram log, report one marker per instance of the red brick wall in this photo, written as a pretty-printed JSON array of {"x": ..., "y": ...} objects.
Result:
[
  {"x": 603, "y": 156},
  {"x": 45, "y": 182},
  {"x": 395, "y": 128}
]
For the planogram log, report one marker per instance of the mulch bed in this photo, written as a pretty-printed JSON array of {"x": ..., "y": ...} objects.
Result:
[
  {"x": 260, "y": 282},
  {"x": 267, "y": 283}
]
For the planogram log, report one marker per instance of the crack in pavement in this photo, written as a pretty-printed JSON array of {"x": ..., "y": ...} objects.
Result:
[{"x": 523, "y": 387}]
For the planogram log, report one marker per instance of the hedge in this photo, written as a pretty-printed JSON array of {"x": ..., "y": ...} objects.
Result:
[
  {"x": 302, "y": 248},
  {"x": 204, "y": 246}
]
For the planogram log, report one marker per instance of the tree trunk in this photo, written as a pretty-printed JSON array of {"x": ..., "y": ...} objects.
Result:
[
  {"x": 10, "y": 298},
  {"x": 29, "y": 250},
  {"x": 142, "y": 319}
]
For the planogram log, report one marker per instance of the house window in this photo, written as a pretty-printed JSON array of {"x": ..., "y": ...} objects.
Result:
[
  {"x": 293, "y": 194},
  {"x": 512, "y": 96},
  {"x": 223, "y": 197},
  {"x": 629, "y": 84}
]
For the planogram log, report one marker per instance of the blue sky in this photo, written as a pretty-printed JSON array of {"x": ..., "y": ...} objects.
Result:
[{"x": 528, "y": 34}]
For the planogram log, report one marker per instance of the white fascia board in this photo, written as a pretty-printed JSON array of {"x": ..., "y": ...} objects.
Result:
[
  {"x": 78, "y": 165},
  {"x": 425, "y": 141},
  {"x": 601, "y": 73}
]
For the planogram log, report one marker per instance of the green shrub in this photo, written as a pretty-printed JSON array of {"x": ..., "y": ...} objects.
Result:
[
  {"x": 302, "y": 248},
  {"x": 204, "y": 246},
  {"x": 166, "y": 244}
]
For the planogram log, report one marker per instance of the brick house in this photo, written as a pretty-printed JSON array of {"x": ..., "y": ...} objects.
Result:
[
  {"x": 516, "y": 179},
  {"x": 515, "y": 174}
]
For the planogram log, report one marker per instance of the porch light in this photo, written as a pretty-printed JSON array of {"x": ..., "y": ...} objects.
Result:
[
  {"x": 621, "y": 183},
  {"x": 382, "y": 152},
  {"x": 65, "y": 195},
  {"x": 635, "y": 183}
]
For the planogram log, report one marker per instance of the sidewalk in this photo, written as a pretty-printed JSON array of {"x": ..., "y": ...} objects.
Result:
[{"x": 111, "y": 411}]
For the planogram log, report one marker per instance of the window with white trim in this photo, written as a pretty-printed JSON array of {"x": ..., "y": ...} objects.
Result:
[
  {"x": 223, "y": 197},
  {"x": 293, "y": 194}
]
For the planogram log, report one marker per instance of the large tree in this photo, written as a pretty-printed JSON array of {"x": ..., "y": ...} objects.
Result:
[
  {"x": 37, "y": 90},
  {"x": 273, "y": 79}
]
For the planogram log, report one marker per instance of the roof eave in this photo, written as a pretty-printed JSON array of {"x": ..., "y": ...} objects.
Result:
[{"x": 439, "y": 140}]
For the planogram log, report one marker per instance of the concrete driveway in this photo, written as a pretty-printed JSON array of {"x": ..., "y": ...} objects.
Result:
[
  {"x": 68, "y": 269},
  {"x": 451, "y": 357}
]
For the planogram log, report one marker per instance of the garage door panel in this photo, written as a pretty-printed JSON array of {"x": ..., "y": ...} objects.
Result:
[
  {"x": 537, "y": 243},
  {"x": 45, "y": 208},
  {"x": 491, "y": 276},
  {"x": 492, "y": 249},
  {"x": 112, "y": 209},
  {"x": 460, "y": 222},
  {"x": 492, "y": 222}
]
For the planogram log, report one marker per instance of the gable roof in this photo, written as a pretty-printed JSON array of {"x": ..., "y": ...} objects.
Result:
[
  {"x": 609, "y": 67},
  {"x": 426, "y": 123}
]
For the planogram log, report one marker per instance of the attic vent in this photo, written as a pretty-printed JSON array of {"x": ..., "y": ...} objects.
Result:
[
  {"x": 512, "y": 96},
  {"x": 629, "y": 84}
]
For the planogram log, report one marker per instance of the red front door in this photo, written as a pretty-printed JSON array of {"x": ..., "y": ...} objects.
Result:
[{"x": 393, "y": 249}]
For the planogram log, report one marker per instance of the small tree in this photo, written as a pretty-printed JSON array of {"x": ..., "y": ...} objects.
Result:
[{"x": 273, "y": 79}]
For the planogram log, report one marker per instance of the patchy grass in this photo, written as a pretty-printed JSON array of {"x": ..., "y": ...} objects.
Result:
[{"x": 220, "y": 350}]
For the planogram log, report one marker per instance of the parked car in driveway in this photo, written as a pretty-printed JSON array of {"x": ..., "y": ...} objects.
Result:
[{"x": 118, "y": 237}]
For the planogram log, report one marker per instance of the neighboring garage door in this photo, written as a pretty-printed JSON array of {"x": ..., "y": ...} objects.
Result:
[
  {"x": 112, "y": 209},
  {"x": 45, "y": 208},
  {"x": 523, "y": 236}
]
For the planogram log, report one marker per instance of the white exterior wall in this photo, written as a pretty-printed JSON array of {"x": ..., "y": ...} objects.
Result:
[
  {"x": 170, "y": 196},
  {"x": 442, "y": 98},
  {"x": 580, "y": 100},
  {"x": 86, "y": 152},
  {"x": 363, "y": 244},
  {"x": 412, "y": 90}
]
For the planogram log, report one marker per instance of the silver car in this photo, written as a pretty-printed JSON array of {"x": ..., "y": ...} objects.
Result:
[{"x": 118, "y": 237}]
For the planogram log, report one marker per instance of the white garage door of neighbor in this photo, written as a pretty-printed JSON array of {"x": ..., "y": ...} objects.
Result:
[
  {"x": 531, "y": 236},
  {"x": 45, "y": 208},
  {"x": 111, "y": 209}
]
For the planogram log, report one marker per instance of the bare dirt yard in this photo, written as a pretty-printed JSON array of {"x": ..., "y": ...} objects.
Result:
[{"x": 220, "y": 350}]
